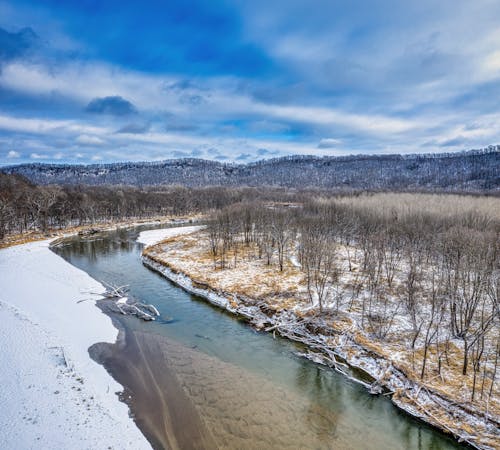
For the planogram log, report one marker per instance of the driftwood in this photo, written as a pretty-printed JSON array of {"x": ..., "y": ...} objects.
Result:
[
  {"x": 296, "y": 331},
  {"x": 112, "y": 292},
  {"x": 152, "y": 309},
  {"x": 115, "y": 291},
  {"x": 90, "y": 231},
  {"x": 462, "y": 436},
  {"x": 124, "y": 305},
  {"x": 134, "y": 309}
]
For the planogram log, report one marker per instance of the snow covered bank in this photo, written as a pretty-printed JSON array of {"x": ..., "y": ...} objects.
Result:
[
  {"x": 331, "y": 338},
  {"x": 53, "y": 394},
  {"x": 151, "y": 237},
  {"x": 208, "y": 294}
]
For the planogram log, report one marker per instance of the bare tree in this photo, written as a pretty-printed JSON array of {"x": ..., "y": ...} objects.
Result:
[
  {"x": 281, "y": 232},
  {"x": 318, "y": 261},
  {"x": 436, "y": 314}
]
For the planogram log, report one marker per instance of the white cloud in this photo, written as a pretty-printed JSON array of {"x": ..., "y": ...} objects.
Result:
[
  {"x": 397, "y": 87},
  {"x": 491, "y": 65},
  {"x": 39, "y": 156},
  {"x": 13, "y": 154},
  {"x": 88, "y": 140},
  {"x": 329, "y": 143},
  {"x": 325, "y": 116},
  {"x": 85, "y": 81},
  {"x": 47, "y": 126}
]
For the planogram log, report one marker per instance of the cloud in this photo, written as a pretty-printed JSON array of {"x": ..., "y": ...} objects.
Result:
[
  {"x": 328, "y": 143},
  {"x": 38, "y": 156},
  {"x": 135, "y": 128},
  {"x": 267, "y": 126},
  {"x": 178, "y": 124},
  {"x": 266, "y": 152},
  {"x": 179, "y": 154},
  {"x": 368, "y": 123},
  {"x": 13, "y": 154},
  {"x": 87, "y": 140},
  {"x": 454, "y": 142},
  {"x": 47, "y": 126},
  {"x": 113, "y": 105},
  {"x": 192, "y": 100},
  {"x": 180, "y": 85},
  {"x": 83, "y": 81}
]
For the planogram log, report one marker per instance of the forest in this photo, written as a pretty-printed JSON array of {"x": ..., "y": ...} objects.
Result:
[
  {"x": 26, "y": 207},
  {"x": 470, "y": 171},
  {"x": 419, "y": 273}
]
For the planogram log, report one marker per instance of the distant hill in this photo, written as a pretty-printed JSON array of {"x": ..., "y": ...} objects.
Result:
[{"x": 475, "y": 170}]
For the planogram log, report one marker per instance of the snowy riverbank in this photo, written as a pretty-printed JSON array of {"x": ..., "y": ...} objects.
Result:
[
  {"x": 327, "y": 344},
  {"x": 53, "y": 394},
  {"x": 151, "y": 237}
]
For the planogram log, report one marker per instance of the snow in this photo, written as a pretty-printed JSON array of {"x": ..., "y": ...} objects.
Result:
[
  {"x": 53, "y": 394},
  {"x": 187, "y": 284},
  {"x": 151, "y": 237},
  {"x": 122, "y": 301},
  {"x": 295, "y": 262}
]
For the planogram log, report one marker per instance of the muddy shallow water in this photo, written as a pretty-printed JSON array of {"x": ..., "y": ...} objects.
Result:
[{"x": 199, "y": 378}]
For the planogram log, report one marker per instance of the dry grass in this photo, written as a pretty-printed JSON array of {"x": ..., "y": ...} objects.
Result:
[
  {"x": 443, "y": 205},
  {"x": 249, "y": 276}
]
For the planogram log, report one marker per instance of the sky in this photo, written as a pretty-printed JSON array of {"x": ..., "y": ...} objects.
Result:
[{"x": 237, "y": 81}]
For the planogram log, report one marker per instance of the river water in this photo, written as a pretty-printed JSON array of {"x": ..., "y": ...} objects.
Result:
[{"x": 199, "y": 378}]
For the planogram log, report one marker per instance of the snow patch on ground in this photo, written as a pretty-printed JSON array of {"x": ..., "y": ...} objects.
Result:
[
  {"x": 187, "y": 284},
  {"x": 151, "y": 237},
  {"x": 53, "y": 394}
]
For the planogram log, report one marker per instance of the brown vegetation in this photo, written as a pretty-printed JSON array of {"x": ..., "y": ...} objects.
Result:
[{"x": 420, "y": 285}]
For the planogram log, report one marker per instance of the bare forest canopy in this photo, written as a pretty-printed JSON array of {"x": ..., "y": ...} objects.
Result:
[
  {"x": 26, "y": 207},
  {"x": 472, "y": 171},
  {"x": 422, "y": 270}
]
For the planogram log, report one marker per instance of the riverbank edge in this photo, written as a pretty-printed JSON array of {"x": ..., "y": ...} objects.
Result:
[
  {"x": 384, "y": 376},
  {"x": 47, "y": 302},
  {"x": 49, "y": 241},
  {"x": 57, "y": 235}
]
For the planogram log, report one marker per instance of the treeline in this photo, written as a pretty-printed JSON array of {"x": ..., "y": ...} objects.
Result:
[
  {"x": 400, "y": 263},
  {"x": 26, "y": 207},
  {"x": 473, "y": 171}
]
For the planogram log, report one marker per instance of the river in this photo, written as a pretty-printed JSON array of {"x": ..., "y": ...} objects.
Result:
[{"x": 200, "y": 378}]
